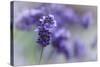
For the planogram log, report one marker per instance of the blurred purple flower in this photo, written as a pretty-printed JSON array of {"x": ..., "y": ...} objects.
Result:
[
  {"x": 28, "y": 18},
  {"x": 56, "y": 43},
  {"x": 79, "y": 49},
  {"x": 62, "y": 32},
  {"x": 51, "y": 9},
  {"x": 87, "y": 20},
  {"x": 67, "y": 49},
  {"x": 70, "y": 16},
  {"x": 61, "y": 44},
  {"x": 63, "y": 14}
]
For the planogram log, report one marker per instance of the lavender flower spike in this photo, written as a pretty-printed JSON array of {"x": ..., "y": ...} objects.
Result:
[
  {"x": 46, "y": 26},
  {"x": 45, "y": 29}
]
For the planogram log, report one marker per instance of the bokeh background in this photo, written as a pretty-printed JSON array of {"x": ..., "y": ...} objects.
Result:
[{"x": 26, "y": 49}]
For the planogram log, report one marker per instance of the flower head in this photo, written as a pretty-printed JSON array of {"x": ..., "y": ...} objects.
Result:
[{"x": 45, "y": 28}]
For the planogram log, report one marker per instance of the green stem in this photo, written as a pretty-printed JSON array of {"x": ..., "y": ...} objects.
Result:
[{"x": 41, "y": 55}]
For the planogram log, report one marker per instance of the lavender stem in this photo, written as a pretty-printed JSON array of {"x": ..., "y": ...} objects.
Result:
[{"x": 42, "y": 48}]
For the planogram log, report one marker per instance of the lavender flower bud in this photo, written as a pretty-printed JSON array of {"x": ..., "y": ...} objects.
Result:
[
  {"x": 44, "y": 37},
  {"x": 45, "y": 28}
]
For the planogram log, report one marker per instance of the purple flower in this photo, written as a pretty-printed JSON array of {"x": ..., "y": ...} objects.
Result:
[
  {"x": 67, "y": 49},
  {"x": 62, "y": 32},
  {"x": 57, "y": 43},
  {"x": 61, "y": 44},
  {"x": 63, "y": 14},
  {"x": 28, "y": 18},
  {"x": 45, "y": 28},
  {"x": 60, "y": 35},
  {"x": 70, "y": 16},
  {"x": 44, "y": 37},
  {"x": 87, "y": 19},
  {"x": 79, "y": 49}
]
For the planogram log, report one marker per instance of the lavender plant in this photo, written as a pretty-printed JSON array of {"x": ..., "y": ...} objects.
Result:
[{"x": 46, "y": 26}]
